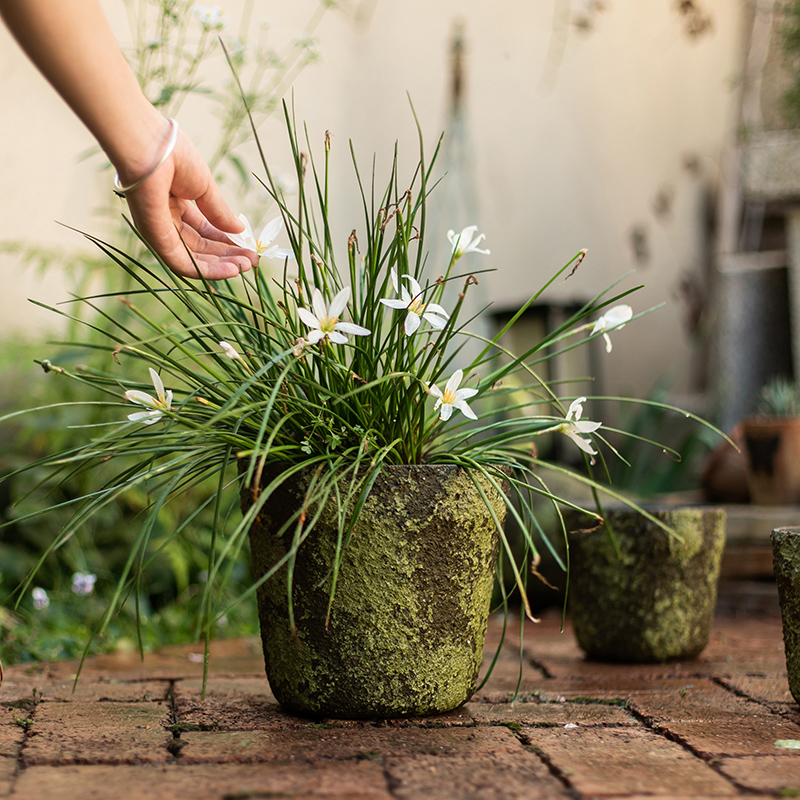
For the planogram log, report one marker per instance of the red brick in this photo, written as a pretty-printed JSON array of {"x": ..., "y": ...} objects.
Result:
[
  {"x": 735, "y": 736},
  {"x": 331, "y": 781},
  {"x": 314, "y": 744},
  {"x": 550, "y": 714},
  {"x": 496, "y": 776},
  {"x": 12, "y": 729},
  {"x": 765, "y": 773},
  {"x": 693, "y": 699},
  {"x": 97, "y": 733},
  {"x": 619, "y": 761}
]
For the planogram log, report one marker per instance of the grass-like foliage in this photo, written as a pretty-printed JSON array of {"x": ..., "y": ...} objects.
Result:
[{"x": 345, "y": 364}]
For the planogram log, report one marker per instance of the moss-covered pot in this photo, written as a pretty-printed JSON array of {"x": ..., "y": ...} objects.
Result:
[
  {"x": 786, "y": 558},
  {"x": 654, "y": 600},
  {"x": 406, "y": 631}
]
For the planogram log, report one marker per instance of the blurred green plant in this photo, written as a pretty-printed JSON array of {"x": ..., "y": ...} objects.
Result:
[{"x": 779, "y": 397}]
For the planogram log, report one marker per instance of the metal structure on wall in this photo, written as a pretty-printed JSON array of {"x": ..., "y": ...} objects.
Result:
[{"x": 758, "y": 251}]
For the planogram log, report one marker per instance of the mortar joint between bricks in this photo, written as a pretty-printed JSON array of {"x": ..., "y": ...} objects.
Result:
[{"x": 557, "y": 773}]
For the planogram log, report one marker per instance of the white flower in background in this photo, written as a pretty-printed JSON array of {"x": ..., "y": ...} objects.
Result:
[
  {"x": 211, "y": 17},
  {"x": 261, "y": 243},
  {"x": 324, "y": 322},
  {"x": 453, "y": 397},
  {"x": 229, "y": 350},
  {"x": 465, "y": 243},
  {"x": 574, "y": 427},
  {"x": 40, "y": 598},
  {"x": 613, "y": 318},
  {"x": 83, "y": 583},
  {"x": 418, "y": 310},
  {"x": 158, "y": 405}
]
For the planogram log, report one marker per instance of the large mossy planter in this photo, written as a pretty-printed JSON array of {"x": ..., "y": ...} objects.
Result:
[
  {"x": 406, "y": 631},
  {"x": 654, "y": 601},
  {"x": 786, "y": 559}
]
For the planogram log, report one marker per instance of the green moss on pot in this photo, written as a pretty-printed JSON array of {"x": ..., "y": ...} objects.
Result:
[
  {"x": 655, "y": 600},
  {"x": 786, "y": 558},
  {"x": 407, "y": 626}
]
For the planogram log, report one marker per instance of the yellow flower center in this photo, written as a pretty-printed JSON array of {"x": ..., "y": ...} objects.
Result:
[
  {"x": 449, "y": 397},
  {"x": 328, "y": 324},
  {"x": 417, "y": 306}
]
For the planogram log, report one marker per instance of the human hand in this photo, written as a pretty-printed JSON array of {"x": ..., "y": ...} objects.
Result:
[{"x": 189, "y": 236}]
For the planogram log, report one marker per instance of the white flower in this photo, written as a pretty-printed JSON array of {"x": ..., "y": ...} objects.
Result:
[
  {"x": 464, "y": 243},
  {"x": 213, "y": 17},
  {"x": 40, "y": 598},
  {"x": 261, "y": 244},
  {"x": 83, "y": 583},
  {"x": 613, "y": 318},
  {"x": 417, "y": 309},
  {"x": 574, "y": 426},
  {"x": 229, "y": 350},
  {"x": 324, "y": 322},
  {"x": 158, "y": 405},
  {"x": 453, "y": 397}
]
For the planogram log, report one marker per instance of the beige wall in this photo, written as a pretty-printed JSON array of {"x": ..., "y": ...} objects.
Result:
[{"x": 574, "y": 136}]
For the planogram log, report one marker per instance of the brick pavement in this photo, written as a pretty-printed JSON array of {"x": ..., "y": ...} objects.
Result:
[{"x": 132, "y": 729}]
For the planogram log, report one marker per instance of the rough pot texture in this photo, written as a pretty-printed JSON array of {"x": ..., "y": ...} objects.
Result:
[
  {"x": 786, "y": 558},
  {"x": 408, "y": 622},
  {"x": 655, "y": 600}
]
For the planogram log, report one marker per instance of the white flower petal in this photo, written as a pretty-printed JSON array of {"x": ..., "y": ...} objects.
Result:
[
  {"x": 142, "y": 398},
  {"x": 337, "y": 338},
  {"x": 315, "y": 335},
  {"x": 415, "y": 288},
  {"x": 351, "y": 328},
  {"x": 436, "y": 392},
  {"x": 271, "y": 231},
  {"x": 582, "y": 443},
  {"x": 462, "y": 406},
  {"x": 445, "y": 412},
  {"x": 453, "y": 383},
  {"x": 434, "y": 321},
  {"x": 229, "y": 350},
  {"x": 412, "y": 323},
  {"x": 158, "y": 384},
  {"x": 575, "y": 408},
  {"x": 146, "y": 417},
  {"x": 435, "y": 308},
  {"x": 397, "y": 304},
  {"x": 318, "y": 305},
  {"x": 246, "y": 238},
  {"x": 586, "y": 426},
  {"x": 307, "y": 317},
  {"x": 339, "y": 303},
  {"x": 465, "y": 394}
]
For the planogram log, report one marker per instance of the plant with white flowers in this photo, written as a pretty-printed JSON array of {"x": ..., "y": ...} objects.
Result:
[{"x": 342, "y": 358}]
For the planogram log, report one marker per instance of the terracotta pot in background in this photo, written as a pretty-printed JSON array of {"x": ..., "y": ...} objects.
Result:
[{"x": 772, "y": 448}]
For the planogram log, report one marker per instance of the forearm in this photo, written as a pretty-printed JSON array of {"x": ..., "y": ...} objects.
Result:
[{"x": 73, "y": 46}]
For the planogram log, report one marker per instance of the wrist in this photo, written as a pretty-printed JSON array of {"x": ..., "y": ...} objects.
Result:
[
  {"x": 136, "y": 148},
  {"x": 122, "y": 188}
]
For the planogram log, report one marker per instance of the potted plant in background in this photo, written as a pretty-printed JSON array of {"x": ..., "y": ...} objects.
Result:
[
  {"x": 772, "y": 445},
  {"x": 374, "y": 472},
  {"x": 639, "y": 596}
]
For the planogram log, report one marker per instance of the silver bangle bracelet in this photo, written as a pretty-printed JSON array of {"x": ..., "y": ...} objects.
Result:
[{"x": 121, "y": 190}]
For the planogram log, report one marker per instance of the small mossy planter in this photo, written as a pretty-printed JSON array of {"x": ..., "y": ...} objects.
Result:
[
  {"x": 407, "y": 626},
  {"x": 654, "y": 600},
  {"x": 786, "y": 559}
]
